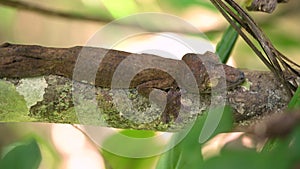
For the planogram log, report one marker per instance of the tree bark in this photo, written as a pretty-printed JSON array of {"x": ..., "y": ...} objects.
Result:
[{"x": 261, "y": 95}]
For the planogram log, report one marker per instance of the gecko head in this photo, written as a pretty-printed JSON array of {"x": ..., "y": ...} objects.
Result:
[
  {"x": 210, "y": 74},
  {"x": 233, "y": 76}
]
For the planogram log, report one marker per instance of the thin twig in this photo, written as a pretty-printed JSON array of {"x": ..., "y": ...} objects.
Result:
[
  {"x": 45, "y": 11},
  {"x": 52, "y": 12},
  {"x": 273, "y": 59}
]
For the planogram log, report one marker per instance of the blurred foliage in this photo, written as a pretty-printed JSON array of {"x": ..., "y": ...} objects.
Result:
[
  {"x": 22, "y": 155},
  {"x": 295, "y": 101},
  {"x": 29, "y": 150},
  {"x": 281, "y": 26},
  {"x": 119, "y": 142},
  {"x": 187, "y": 154},
  {"x": 121, "y": 8},
  {"x": 283, "y": 153},
  {"x": 182, "y": 5},
  {"x": 114, "y": 161},
  {"x": 12, "y": 105}
]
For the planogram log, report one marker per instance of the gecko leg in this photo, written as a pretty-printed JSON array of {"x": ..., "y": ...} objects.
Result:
[{"x": 166, "y": 97}]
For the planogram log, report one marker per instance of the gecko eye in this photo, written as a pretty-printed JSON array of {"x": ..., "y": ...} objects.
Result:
[{"x": 213, "y": 82}]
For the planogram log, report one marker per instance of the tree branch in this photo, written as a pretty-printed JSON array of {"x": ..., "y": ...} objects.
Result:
[
  {"x": 261, "y": 95},
  {"x": 51, "y": 12}
]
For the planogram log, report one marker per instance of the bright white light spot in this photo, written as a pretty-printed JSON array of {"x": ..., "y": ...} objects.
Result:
[
  {"x": 67, "y": 139},
  {"x": 231, "y": 62},
  {"x": 204, "y": 19},
  {"x": 168, "y": 45},
  {"x": 248, "y": 142},
  {"x": 213, "y": 146},
  {"x": 165, "y": 137},
  {"x": 85, "y": 159}
]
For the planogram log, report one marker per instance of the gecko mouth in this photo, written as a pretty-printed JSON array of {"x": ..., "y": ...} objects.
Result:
[{"x": 236, "y": 80}]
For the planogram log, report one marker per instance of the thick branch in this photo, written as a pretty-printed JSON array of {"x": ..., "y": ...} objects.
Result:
[{"x": 261, "y": 95}]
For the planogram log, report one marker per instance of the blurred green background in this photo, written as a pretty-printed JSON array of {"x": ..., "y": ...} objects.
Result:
[{"x": 27, "y": 27}]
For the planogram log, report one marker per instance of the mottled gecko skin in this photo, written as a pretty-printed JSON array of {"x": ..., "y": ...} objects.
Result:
[{"x": 165, "y": 73}]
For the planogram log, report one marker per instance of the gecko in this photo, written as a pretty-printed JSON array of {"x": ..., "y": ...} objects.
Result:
[{"x": 152, "y": 71}]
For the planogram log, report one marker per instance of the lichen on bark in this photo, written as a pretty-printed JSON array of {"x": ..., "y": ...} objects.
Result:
[{"x": 260, "y": 96}]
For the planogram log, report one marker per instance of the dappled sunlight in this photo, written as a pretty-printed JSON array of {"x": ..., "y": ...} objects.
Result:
[
  {"x": 66, "y": 138},
  {"x": 214, "y": 146},
  {"x": 204, "y": 19},
  {"x": 77, "y": 152},
  {"x": 168, "y": 45},
  {"x": 85, "y": 158},
  {"x": 139, "y": 111}
]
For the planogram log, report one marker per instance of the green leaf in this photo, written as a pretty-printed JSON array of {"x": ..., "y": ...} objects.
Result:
[
  {"x": 187, "y": 154},
  {"x": 115, "y": 161},
  {"x": 130, "y": 149},
  {"x": 12, "y": 105},
  {"x": 25, "y": 155},
  {"x": 231, "y": 159},
  {"x": 270, "y": 145},
  {"x": 51, "y": 158},
  {"x": 295, "y": 144},
  {"x": 277, "y": 157},
  {"x": 225, "y": 46},
  {"x": 295, "y": 101},
  {"x": 225, "y": 122},
  {"x": 121, "y": 8},
  {"x": 280, "y": 153},
  {"x": 138, "y": 133},
  {"x": 184, "y": 4}
]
